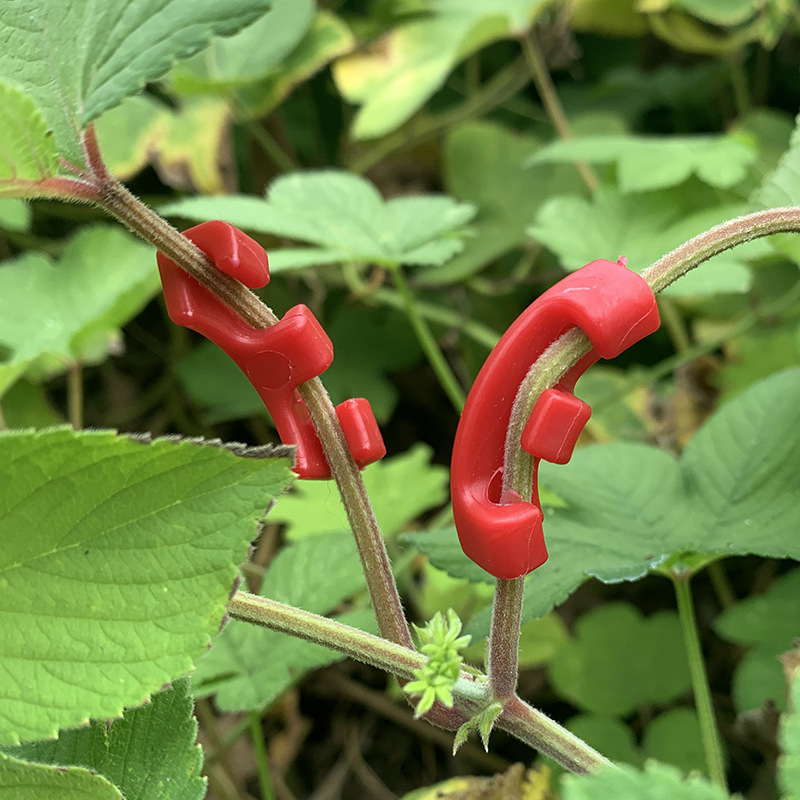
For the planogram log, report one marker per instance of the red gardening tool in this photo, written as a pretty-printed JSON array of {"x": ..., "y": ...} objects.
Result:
[
  {"x": 500, "y": 532},
  {"x": 276, "y": 360}
]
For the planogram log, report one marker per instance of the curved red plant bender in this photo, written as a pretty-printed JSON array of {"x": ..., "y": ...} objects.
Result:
[
  {"x": 276, "y": 360},
  {"x": 615, "y": 308}
]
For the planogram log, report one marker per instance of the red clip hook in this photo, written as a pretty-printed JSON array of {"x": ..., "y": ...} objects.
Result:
[
  {"x": 276, "y": 360},
  {"x": 615, "y": 308}
]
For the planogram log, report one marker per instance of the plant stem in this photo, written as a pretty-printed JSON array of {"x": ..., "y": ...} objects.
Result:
[
  {"x": 552, "y": 104},
  {"x": 270, "y": 147},
  {"x": 438, "y": 363},
  {"x": 518, "y": 718},
  {"x": 257, "y": 735},
  {"x": 709, "y": 732},
  {"x": 568, "y": 349},
  {"x": 504, "y": 637},
  {"x": 674, "y": 324},
  {"x": 75, "y": 395},
  {"x": 722, "y": 586}
]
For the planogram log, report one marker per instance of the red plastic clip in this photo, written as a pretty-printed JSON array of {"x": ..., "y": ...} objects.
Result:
[
  {"x": 615, "y": 308},
  {"x": 276, "y": 360}
]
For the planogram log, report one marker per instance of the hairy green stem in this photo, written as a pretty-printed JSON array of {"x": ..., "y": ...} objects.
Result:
[
  {"x": 709, "y": 732},
  {"x": 518, "y": 718},
  {"x": 552, "y": 104},
  {"x": 262, "y": 763},
  {"x": 504, "y": 639},
  {"x": 425, "y": 337},
  {"x": 75, "y": 395}
]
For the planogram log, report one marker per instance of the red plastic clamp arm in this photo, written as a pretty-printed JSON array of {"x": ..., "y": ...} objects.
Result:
[
  {"x": 615, "y": 308},
  {"x": 276, "y": 360}
]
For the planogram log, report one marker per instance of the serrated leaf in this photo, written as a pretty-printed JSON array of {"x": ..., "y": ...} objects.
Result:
[
  {"x": 619, "y": 660},
  {"x": 249, "y": 55},
  {"x": 78, "y": 61},
  {"x": 782, "y": 187},
  {"x": 657, "y": 162},
  {"x": 342, "y": 212},
  {"x": 768, "y": 623},
  {"x": 67, "y": 311},
  {"x": 401, "y": 488},
  {"x": 628, "y": 507},
  {"x": 655, "y": 782},
  {"x": 642, "y": 228},
  {"x": 27, "y": 150},
  {"x": 149, "y": 754},
  {"x": 117, "y": 562},
  {"x": 399, "y": 72},
  {"x": 482, "y": 163},
  {"x": 20, "y": 780},
  {"x": 249, "y": 667}
]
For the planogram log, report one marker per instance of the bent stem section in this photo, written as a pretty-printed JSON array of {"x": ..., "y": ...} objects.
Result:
[
  {"x": 709, "y": 732},
  {"x": 504, "y": 637}
]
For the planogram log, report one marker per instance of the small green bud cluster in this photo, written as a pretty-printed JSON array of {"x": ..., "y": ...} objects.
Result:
[{"x": 440, "y": 641}]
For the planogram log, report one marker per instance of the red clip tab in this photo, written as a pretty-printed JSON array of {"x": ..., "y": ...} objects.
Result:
[
  {"x": 276, "y": 360},
  {"x": 615, "y": 308}
]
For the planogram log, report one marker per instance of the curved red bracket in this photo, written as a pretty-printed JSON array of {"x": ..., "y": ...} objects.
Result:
[
  {"x": 615, "y": 308},
  {"x": 276, "y": 360}
]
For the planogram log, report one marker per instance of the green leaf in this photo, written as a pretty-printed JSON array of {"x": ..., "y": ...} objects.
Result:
[
  {"x": 789, "y": 762},
  {"x": 20, "y": 780},
  {"x": 657, "y": 162},
  {"x": 401, "y": 488},
  {"x": 327, "y": 38},
  {"x": 619, "y": 660},
  {"x": 613, "y": 738},
  {"x": 15, "y": 215},
  {"x": 27, "y": 150},
  {"x": 76, "y": 62},
  {"x": 768, "y": 623},
  {"x": 343, "y": 212},
  {"x": 629, "y": 507},
  {"x": 117, "y": 561},
  {"x": 250, "y": 54},
  {"x": 655, "y": 782},
  {"x": 400, "y": 71},
  {"x": 641, "y": 228},
  {"x": 70, "y": 310},
  {"x": 782, "y": 187},
  {"x": 674, "y": 737},
  {"x": 248, "y": 667},
  {"x": 482, "y": 164},
  {"x": 148, "y": 754}
]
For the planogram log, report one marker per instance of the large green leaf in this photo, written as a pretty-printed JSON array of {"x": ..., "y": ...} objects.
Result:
[
  {"x": 395, "y": 77},
  {"x": 70, "y": 310},
  {"x": 77, "y": 60},
  {"x": 655, "y": 782},
  {"x": 117, "y": 561},
  {"x": 20, "y": 780},
  {"x": 249, "y": 667},
  {"x": 642, "y": 228},
  {"x": 629, "y": 507},
  {"x": 27, "y": 151},
  {"x": 345, "y": 216},
  {"x": 619, "y": 660},
  {"x": 149, "y": 754},
  {"x": 649, "y": 163},
  {"x": 769, "y": 624},
  {"x": 249, "y": 55},
  {"x": 400, "y": 488},
  {"x": 482, "y": 163}
]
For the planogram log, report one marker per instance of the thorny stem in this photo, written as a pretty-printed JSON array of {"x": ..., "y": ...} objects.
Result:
[
  {"x": 112, "y": 196},
  {"x": 552, "y": 104},
  {"x": 504, "y": 640},
  {"x": 518, "y": 718}
]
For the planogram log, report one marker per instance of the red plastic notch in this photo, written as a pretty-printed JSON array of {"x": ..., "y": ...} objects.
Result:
[
  {"x": 615, "y": 308},
  {"x": 276, "y": 360}
]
